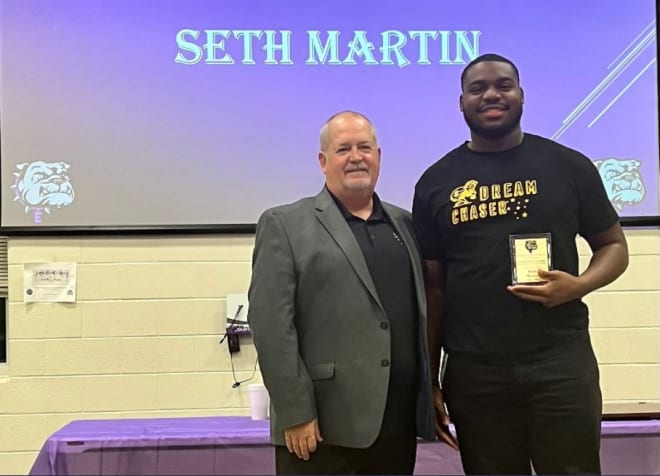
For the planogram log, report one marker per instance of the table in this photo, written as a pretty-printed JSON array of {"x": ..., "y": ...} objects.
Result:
[
  {"x": 197, "y": 445},
  {"x": 239, "y": 445}
]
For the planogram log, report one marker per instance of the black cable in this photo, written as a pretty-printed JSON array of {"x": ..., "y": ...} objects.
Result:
[
  {"x": 237, "y": 383},
  {"x": 232, "y": 324}
]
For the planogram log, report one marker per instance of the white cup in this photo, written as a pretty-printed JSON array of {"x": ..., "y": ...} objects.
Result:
[{"x": 259, "y": 401}]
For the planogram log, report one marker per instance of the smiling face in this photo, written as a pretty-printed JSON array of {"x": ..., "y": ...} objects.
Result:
[
  {"x": 350, "y": 157},
  {"x": 492, "y": 100}
]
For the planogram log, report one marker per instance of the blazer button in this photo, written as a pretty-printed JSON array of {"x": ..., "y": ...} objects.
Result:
[
  {"x": 385, "y": 363},
  {"x": 384, "y": 325}
]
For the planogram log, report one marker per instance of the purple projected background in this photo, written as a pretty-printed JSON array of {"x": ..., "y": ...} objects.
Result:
[{"x": 93, "y": 97}]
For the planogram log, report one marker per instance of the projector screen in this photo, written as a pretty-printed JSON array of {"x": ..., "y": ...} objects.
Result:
[{"x": 165, "y": 113}]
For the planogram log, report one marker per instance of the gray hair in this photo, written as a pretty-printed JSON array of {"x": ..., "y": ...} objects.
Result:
[{"x": 324, "y": 135}]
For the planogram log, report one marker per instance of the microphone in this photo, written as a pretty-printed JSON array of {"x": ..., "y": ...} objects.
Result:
[
  {"x": 238, "y": 313},
  {"x": 232, "y": 323}
]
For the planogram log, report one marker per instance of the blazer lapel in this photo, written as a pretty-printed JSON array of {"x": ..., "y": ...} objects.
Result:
[
  {"x": 334, "y": 222},
  {"x": 413, "y": 253}
]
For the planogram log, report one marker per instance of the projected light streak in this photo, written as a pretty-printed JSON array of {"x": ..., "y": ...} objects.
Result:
[
  {"x": 625, "y": 63},
  {"x": 630, "y": 44},
  {"x": 639, "y": 75},
  {"x": 604, "y": 84}
]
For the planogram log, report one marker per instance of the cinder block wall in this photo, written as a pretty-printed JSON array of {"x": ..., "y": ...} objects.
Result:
[
  {"x": 625, "y": 324},
  {"x": 142, "y": 339}
]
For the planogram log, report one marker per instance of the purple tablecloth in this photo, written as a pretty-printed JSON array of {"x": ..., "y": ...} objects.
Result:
[
  {"x": 200, "y": 445},
  {"x": 239, "y": 445}
]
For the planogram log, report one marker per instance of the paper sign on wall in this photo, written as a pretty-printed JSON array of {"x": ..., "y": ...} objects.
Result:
[{"x": 49, "y": 282}]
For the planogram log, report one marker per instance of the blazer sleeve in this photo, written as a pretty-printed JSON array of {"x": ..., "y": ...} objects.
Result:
[{"x": 272, "y": 315}]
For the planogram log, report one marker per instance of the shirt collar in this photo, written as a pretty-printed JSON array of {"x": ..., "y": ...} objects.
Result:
[{"x": 376, "y": 211}]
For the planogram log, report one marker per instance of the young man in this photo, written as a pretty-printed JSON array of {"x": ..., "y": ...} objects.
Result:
[{"x": 521, "y": 380}]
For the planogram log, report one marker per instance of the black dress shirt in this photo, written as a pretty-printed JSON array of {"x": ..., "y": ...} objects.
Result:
[{"x": 389, "y": 265}]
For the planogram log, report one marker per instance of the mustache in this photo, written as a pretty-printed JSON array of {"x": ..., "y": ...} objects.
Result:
[
  {"x": 501, "y": 107},
  {"x": 353, "y": 168}
]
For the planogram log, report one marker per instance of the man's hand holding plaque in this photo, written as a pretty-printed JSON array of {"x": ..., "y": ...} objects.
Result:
[{"x": 529, "y": 254}]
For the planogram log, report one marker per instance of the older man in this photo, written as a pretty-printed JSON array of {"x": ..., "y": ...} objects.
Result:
[{"x": 337, "y": 309}]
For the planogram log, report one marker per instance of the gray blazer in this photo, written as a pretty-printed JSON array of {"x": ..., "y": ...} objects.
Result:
[{"x": 315, "y": 316}]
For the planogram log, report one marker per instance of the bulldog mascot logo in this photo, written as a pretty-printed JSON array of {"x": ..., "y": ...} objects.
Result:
[
  {"x": 40, "y": 186},
  {"x": 622, "y": 181}
]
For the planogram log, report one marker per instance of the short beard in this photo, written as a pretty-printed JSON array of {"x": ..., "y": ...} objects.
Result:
[
  {"x": 493, "y": 133},
  {"x": 355, "y": 187}
]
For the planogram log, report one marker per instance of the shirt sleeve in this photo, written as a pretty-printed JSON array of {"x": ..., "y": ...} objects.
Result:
[{"x": 425, "y": 224}]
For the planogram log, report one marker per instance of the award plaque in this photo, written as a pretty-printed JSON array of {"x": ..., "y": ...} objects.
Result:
[{"x": 529, "y": 253}]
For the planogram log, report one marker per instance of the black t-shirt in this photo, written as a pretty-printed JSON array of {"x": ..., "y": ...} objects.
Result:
[{"x": 465, "y": 207}]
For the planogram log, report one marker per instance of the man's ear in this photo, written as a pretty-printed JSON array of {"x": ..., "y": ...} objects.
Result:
[
  {"x": 522, "y": 96},
  {"x": 460, "y": 102},
  {"x": 322, "y": 161}
]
